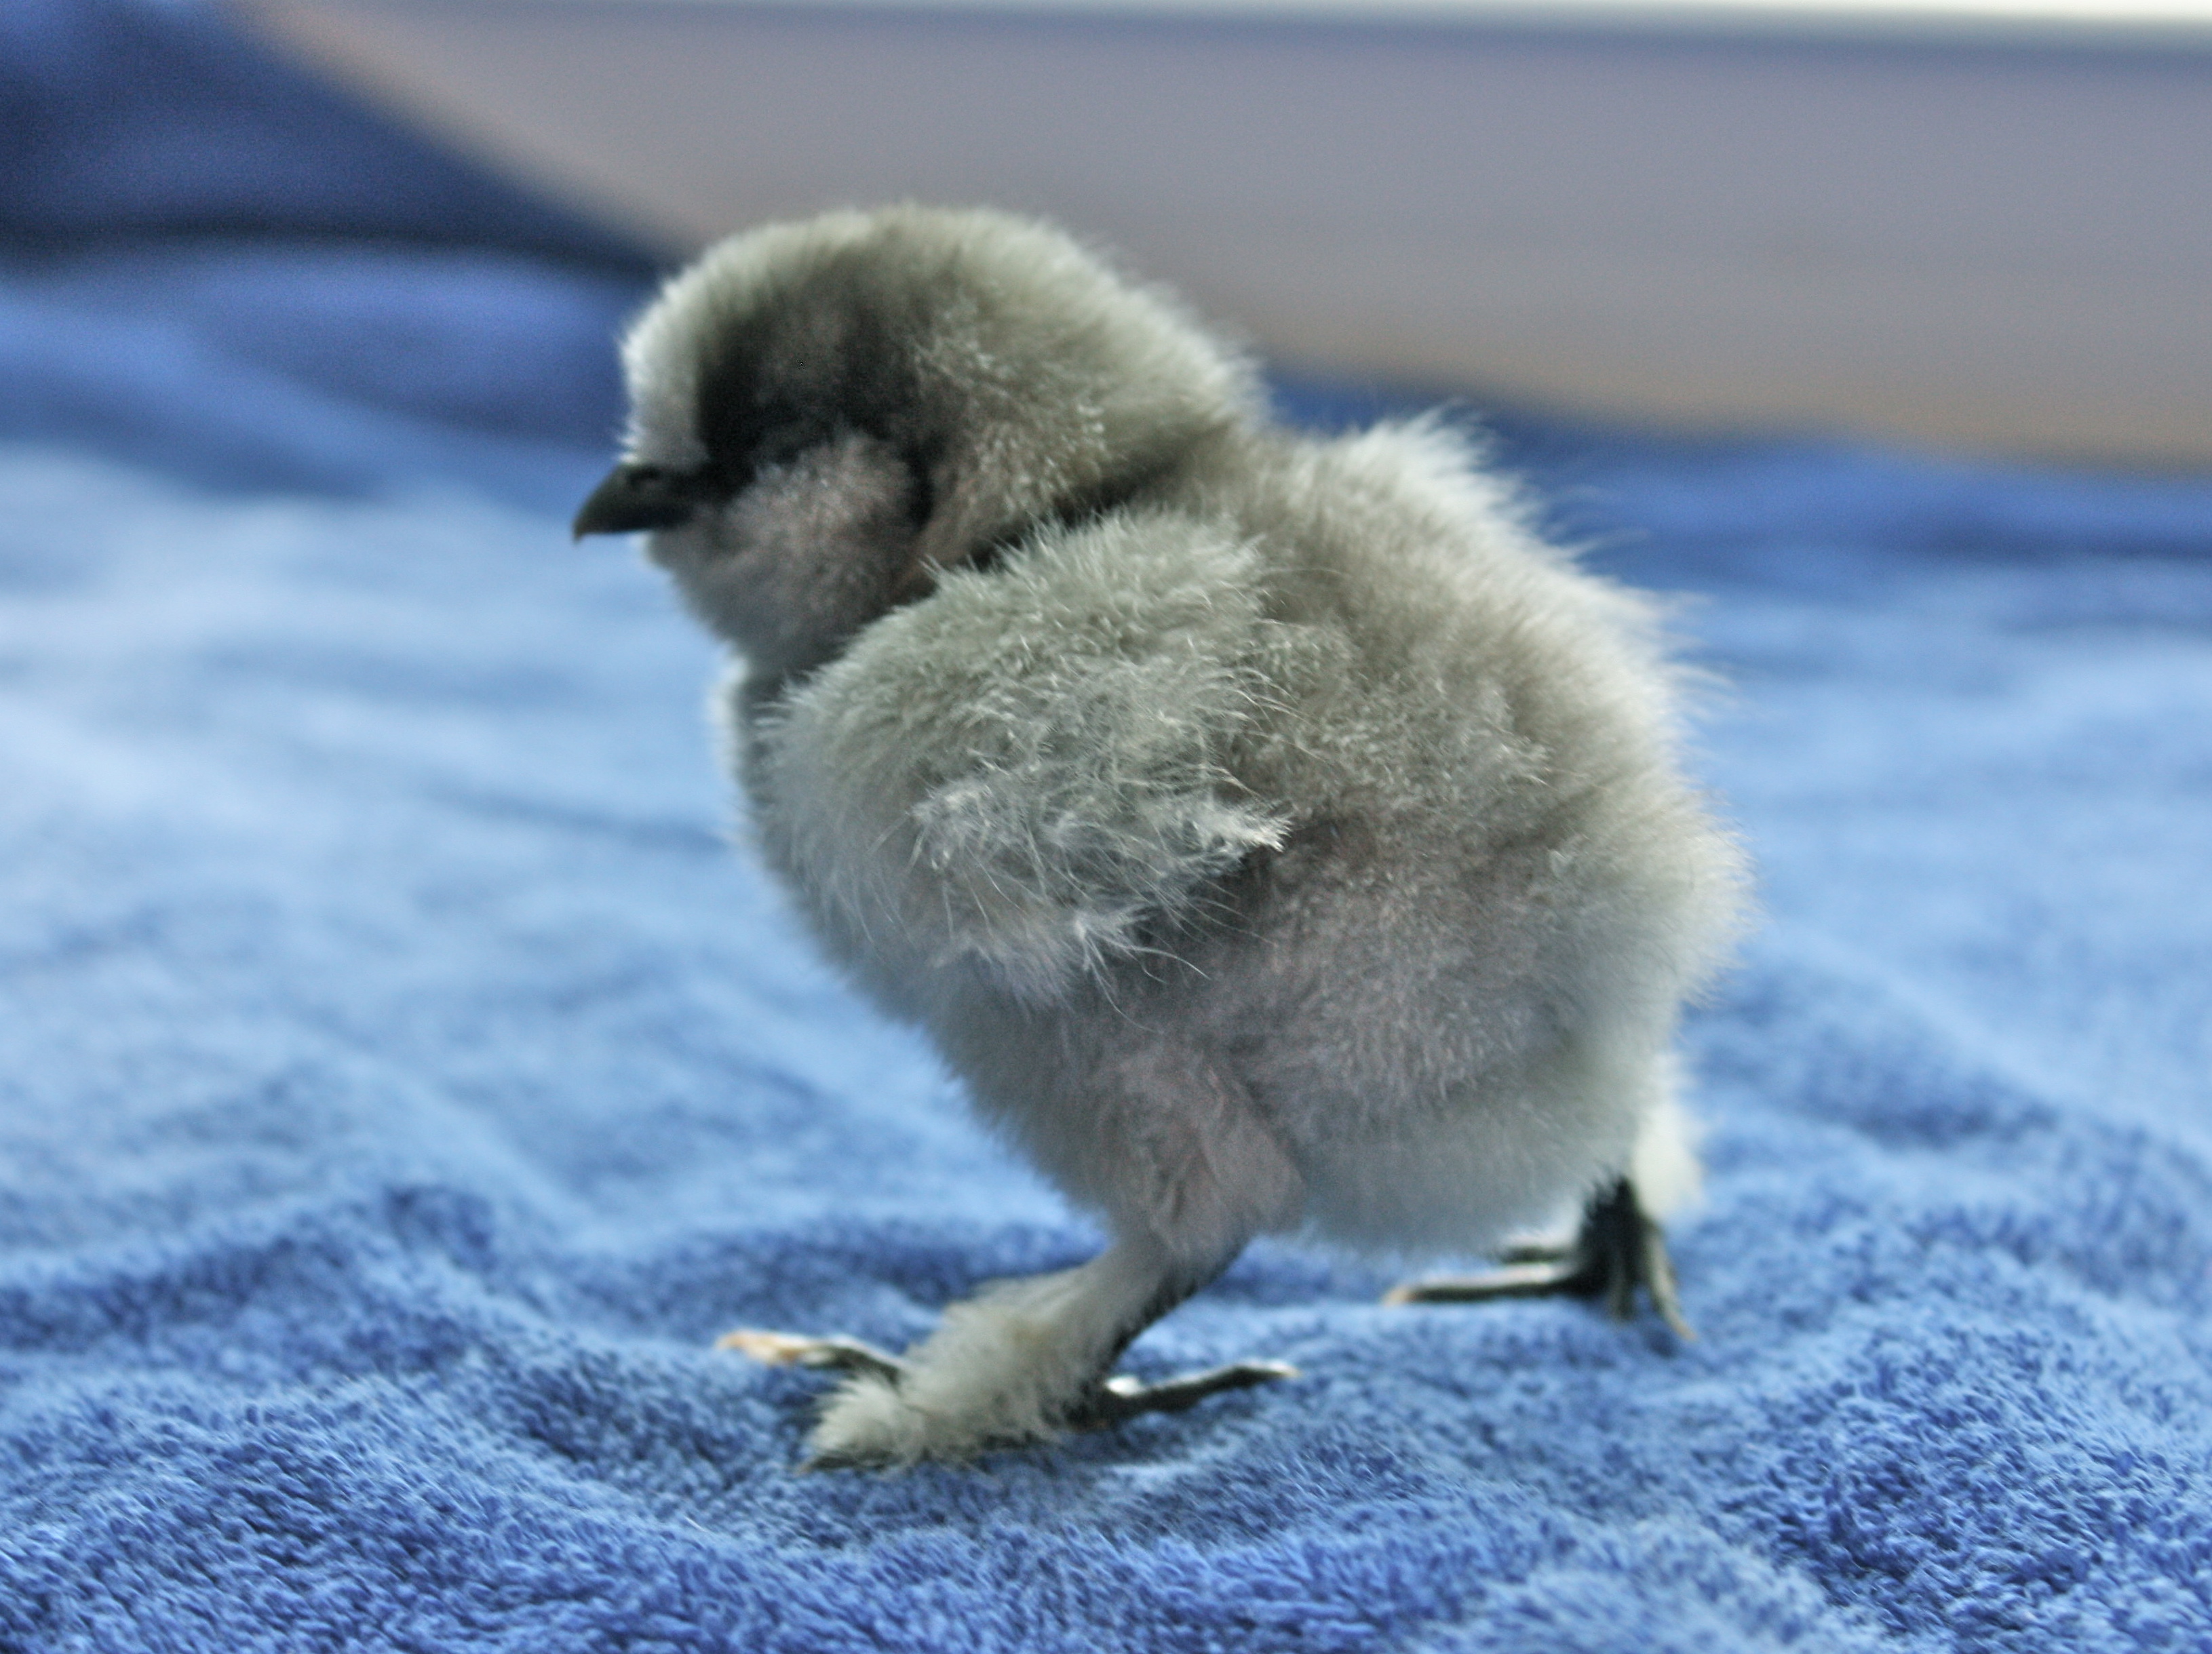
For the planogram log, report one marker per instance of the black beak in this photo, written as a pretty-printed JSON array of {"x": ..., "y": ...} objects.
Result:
[{"x": 636, "y": 497}]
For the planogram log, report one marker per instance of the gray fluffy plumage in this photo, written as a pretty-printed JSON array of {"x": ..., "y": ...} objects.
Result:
[{"x": 1271, "y": 831}]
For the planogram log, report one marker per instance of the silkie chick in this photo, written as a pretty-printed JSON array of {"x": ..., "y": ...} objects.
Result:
[{"x": 1272, "y": 832}]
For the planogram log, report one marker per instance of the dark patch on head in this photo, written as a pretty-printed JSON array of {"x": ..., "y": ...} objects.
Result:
[
  {"x": 827, "y": 351},
  {"x": 849, "y": 341}
]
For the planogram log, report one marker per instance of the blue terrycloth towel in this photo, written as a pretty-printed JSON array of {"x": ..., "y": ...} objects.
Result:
[{"x": 403, "y": 1078}]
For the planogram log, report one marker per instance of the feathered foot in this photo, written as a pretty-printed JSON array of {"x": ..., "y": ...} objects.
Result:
[
  {"x": 1114, "y": 1401},
  {"x": 1619, "y": 1248},
  {"x": 1024, "y": 1362}
]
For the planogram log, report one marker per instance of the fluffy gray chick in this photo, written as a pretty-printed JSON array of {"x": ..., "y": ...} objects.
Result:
[{"x": 1273, "y": 833}]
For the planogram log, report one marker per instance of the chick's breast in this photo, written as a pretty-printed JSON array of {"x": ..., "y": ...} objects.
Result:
[{"x": 998, "y": 787}]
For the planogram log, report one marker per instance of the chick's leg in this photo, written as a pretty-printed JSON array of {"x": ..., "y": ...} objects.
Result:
[
  {"x": 1189, "y": 1174},
  {"x": 1020, "y": 1362},
  {"x": 1620, "y": 1249}
]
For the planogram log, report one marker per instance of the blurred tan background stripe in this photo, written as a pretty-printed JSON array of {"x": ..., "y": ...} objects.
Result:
[{"x": 1991, "y": 237}]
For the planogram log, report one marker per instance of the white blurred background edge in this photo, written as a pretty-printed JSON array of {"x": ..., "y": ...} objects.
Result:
[{"x": 1987, "y": 227}]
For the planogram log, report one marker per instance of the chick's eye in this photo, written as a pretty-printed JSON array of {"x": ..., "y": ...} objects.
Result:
[
  {"x": 783, "y": 444},
  {"x": 921, "y": 499}
]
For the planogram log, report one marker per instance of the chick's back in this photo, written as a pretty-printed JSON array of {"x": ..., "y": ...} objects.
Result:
[{"x": 1457, "y": 985}]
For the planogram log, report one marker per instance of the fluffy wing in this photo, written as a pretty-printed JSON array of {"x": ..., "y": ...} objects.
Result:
[{"x": 1022, "y": 768}]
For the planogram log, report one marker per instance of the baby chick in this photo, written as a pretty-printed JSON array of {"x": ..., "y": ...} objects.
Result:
[{"x": 1273, "y": 833}]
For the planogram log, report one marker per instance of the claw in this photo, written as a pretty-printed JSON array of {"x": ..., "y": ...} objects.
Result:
[
  {"x": 830, "y": 1355},
  {"x": 1620, "y": 1249},
  {"x": 1123, "y": 1397}
]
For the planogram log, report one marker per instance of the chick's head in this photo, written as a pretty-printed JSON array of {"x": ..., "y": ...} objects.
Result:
[{"x": 826, "y": 415}]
